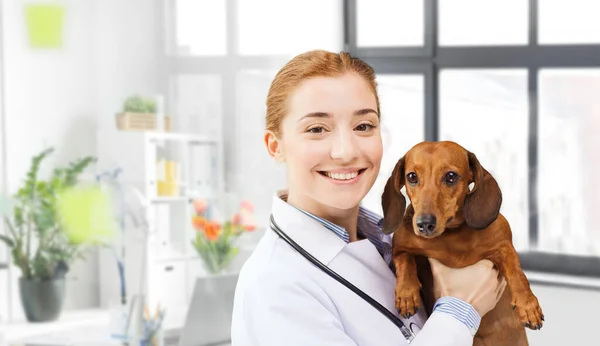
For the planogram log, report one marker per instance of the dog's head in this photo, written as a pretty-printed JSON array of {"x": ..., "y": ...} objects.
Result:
[{"x": 437, "y": 176}]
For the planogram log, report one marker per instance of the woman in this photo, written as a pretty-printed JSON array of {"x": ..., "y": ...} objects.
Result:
[{"x": 323, "y": 121}]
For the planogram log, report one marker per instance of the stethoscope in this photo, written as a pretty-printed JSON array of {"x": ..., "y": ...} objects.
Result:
[{"x": 408, "y": 334}]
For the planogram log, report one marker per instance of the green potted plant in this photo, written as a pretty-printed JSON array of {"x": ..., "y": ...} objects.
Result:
[
  {"x": 38, "y": 244},
  {"x": 139, "y": 113}
]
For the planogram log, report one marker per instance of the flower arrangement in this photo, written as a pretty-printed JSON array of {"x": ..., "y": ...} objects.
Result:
[{"x": 215, "y": 240}]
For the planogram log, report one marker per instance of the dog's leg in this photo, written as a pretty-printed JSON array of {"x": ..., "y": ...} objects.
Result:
[
  {"x": 477, "y": 341},
  {"x": 408, "y": 296},
  {"x": 523, "y": 300}
]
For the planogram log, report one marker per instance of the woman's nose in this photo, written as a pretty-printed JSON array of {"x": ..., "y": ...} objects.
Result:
[{"x": 343, "y": 147}]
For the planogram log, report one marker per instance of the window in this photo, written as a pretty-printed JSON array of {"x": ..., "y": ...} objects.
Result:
[
  {"x": 390, "y": 23},
  {"x": 251, "y": 91},
  {"x": 201, "y": 27},
  {"x": 232, "y": 51},
  {"x": 275, "y": 27},
  {"x": 402, "y": 125},
  {"x": 196, "y": 100},
  {"x": 475, "y": 22},
  {"x": 569, "y": 197},
  {"x": 521, "y": 103},
  {"x": 485, "y": 111},
  {"x": 569, "y": 21}
]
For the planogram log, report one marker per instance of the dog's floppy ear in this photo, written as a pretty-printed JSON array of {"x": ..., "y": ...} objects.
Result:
[
  {"x": 392, "y": 200},
  {"x": 482, "y": 204}
]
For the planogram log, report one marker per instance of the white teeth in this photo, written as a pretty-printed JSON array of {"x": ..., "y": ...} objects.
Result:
[{"x": 342, "y": 176}]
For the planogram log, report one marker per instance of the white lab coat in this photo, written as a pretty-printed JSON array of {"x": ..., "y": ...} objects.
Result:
[{"x": 283, "y": 299}]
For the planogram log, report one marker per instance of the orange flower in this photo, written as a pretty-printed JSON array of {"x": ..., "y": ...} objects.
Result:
[
  {"x": 212, "y": 231},
  {"x": 249, "y": 227},
  {"x": 200, "y": 206},
  {"x": 199, "y": 222}
]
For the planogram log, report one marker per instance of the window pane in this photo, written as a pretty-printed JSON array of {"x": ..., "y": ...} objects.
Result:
[
  {"x": 196, "y": 104},
  {"x": 476, "y": 22},
  {"x": 390, "y": 23},
  {"x": 486, "y": 111},
  {"x": 275, "y": 27},
  {"x": 572, "y": 21},
  {"x": 569, "y": 161},
  {"x": 402, "y": 126},
  {"x": 254, "y": 162},
  {"x": 201, "y": 27}
]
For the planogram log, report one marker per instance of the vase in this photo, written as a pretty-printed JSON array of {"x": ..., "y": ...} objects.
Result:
[{"x": 42, "y": 300}]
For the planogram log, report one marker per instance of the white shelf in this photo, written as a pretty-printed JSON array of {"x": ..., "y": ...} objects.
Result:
[
  {"x": 169, "y": 199},
  {"x": 166, "y": 255},
  {"x": 179, "y": 137}
]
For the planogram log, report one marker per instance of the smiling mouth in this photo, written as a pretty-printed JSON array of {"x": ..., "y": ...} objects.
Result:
[{"x": 342, "y": 176}]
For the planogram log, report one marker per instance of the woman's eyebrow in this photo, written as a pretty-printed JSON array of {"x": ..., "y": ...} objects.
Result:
[
  {"x": 359, "y": 112},
  {"x": 365, "y": 111},
  {"x": 316, "y": 115}
]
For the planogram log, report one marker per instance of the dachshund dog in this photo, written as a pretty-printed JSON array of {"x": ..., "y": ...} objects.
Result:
[{"x": 457, "y": 226}]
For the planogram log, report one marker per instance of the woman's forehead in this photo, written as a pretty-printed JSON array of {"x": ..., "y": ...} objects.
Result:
[{"x": 334, "y": 95}]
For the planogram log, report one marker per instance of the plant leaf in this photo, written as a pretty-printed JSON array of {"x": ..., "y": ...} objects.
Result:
[{"x": 8, "y": 241}]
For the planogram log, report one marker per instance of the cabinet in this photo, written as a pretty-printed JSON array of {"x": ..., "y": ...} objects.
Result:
[{"x": 160, "y": 175}]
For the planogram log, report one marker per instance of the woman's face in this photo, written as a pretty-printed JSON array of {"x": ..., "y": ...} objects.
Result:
[{"x": 331, "y": 142}]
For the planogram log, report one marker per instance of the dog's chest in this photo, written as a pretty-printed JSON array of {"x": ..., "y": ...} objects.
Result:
[{"x": 455, "y": 248}]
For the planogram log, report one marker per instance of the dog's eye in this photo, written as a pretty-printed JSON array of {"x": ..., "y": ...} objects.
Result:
[
  {"x": 412, "y": 178},
  {"x": 451, "y": 177}
]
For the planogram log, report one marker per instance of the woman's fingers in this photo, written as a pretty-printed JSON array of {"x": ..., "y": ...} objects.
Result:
[
  {"x": 500, "y": 289},
  {"x": 487, "y": 264}
]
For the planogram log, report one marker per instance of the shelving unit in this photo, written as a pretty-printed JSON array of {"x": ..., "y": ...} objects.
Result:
[{"x": 166, "y": 253}]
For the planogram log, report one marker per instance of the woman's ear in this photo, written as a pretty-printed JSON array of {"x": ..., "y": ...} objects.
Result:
[
  {"x": 274, "y": 146},
  {"x": 482, "y": 204},
  {"x": 392, "y": 200}
]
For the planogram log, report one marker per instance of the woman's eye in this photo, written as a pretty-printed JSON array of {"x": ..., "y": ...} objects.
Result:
[
  {"x": 364, "y": 127},
  {"x": 317, "y": 129}
]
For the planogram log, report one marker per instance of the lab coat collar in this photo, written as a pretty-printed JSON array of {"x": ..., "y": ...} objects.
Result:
[{"x": 320, "y": 242}]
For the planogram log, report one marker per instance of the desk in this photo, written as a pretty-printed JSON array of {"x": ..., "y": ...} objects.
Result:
[{"x": 79, "y": 328}]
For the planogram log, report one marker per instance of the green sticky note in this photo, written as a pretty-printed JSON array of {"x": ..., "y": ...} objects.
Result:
[
  {"x": 45, "y": 25},
  {"x": 87, "y": 214}
]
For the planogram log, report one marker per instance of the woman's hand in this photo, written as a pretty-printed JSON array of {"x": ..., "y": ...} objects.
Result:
[{"x": 478, "y": 284}]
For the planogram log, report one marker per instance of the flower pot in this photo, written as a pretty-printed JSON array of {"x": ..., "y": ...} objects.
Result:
[{"x": 42, "y": 301}]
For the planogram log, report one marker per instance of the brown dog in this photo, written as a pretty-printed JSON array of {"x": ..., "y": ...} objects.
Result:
[{"x": 458, "y": 227}]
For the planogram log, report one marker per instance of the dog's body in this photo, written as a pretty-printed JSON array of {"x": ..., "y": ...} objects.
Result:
[{"x": 437, "y": 177}]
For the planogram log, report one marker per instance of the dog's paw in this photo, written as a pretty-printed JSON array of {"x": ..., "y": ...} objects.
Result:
[
  {"x": 408, "y": 298},
  {"x": 529, "y": 312}
]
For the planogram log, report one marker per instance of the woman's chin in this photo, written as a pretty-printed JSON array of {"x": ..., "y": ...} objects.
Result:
[{"x": 343, "y": 200}]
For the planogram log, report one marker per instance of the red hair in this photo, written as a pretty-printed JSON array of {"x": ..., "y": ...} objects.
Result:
[{"x": 316, "y": 63}]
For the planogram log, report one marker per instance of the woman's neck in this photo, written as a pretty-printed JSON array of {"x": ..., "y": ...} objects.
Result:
[{"x": 346, "y": 218}]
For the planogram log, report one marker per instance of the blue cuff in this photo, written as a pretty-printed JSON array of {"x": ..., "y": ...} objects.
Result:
[{"x": 462, "y": 311}]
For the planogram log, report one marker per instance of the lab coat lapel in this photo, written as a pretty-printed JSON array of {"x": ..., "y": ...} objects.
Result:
[
  {"x": 320, "y": 242},
  {"x": 358, "y": 262}
]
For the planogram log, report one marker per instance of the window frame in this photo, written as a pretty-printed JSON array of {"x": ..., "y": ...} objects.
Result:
[
  {"x": 427, "y": 60},
  {"x": 533, "y": 57}
]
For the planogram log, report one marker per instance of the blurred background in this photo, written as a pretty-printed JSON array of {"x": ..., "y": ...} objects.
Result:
[{"x": 166, "y": 98}]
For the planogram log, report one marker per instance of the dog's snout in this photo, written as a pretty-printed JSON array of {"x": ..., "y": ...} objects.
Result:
[{"x": 426, "y": 223}]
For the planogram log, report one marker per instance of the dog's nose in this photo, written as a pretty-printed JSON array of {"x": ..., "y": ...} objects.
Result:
[{"x": 426, "y": 223}]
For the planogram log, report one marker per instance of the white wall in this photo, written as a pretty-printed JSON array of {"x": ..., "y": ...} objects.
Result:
[
  {"x": 60, "y": 97},
  {"x": 48, "y": 99},
  {"x": 571, "y": 316},
  {"x": 3, "y": 250}
]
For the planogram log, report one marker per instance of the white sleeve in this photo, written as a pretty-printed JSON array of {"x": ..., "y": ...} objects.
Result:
[
  {"x": 442, "y": 329},
  {"x": 291, "y": 313}
]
